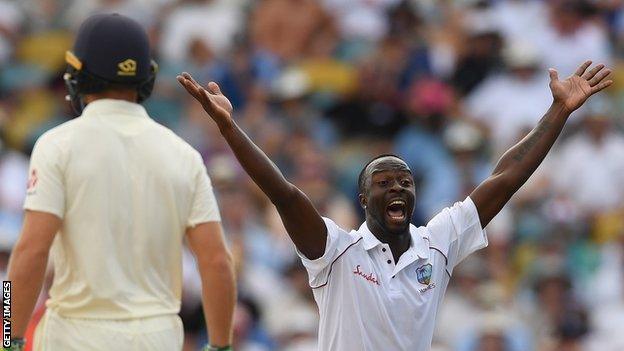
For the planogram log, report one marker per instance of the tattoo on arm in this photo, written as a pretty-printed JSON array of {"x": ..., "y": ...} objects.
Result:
[
  {"x": 517, "y": 164},
  {"x": 533, "y": 139}
]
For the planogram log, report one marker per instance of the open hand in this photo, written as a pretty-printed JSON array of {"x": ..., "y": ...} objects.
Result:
[
  {"x": 576, "y": 89},
  {"x": 212, "y": 100}
]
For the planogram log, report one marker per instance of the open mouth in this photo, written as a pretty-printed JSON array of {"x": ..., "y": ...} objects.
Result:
[{"x": 396, "y": 210}]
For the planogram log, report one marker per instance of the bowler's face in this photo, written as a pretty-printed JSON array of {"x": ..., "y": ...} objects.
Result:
[{"x": 389, "y": 194}]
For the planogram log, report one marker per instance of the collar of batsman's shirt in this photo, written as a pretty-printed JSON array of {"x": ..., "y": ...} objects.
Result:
[{"x": 102, "y": 107}]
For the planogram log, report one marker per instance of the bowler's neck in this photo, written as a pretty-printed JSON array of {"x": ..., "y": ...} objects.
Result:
[{"x": 398, "y": 242}]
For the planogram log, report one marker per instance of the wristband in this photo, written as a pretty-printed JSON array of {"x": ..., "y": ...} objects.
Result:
[{"x": 217, "y": 348}]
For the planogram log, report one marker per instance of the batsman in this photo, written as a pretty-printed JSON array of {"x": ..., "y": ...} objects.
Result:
[{"x": 111, "y": 198}]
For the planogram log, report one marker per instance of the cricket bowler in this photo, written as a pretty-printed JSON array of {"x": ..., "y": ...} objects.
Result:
[{"x": 379, "y": 287}]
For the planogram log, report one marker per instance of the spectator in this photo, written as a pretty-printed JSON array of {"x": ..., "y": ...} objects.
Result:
[
  {"x": 589, "y": 167},
  {"x": 507, "y": 103},
  {"x": 285, "y": 28},
  {"x": 571, "y": 35},
  {"x": 607, "y": 312},
  {"x": 361, "y": 19},
  {"x": 11, "y": 18},
  {"x": 422, "y": 145},
  {"x": 520, "y": 20},
  {"x": 480, "y": 59},
  {"x": 13, "y": 170},
  {"x": 188, "y": 23}
]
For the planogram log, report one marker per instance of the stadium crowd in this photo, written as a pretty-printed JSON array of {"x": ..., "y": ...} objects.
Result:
[{"x": 323, "y": 85}]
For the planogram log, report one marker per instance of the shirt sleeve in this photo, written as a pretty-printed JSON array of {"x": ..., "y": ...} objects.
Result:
[
  {"x": 204, "y": 208},
  {"x": 338, "y": 240},
  {"x": 456, "y": 232},
  {"x": 46, "y": 187}
]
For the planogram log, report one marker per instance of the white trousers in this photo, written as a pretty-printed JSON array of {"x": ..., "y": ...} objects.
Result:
[{"x": 56, "y": 333}]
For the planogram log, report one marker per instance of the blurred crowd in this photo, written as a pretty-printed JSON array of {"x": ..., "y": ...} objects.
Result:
[{"x": 322, "y": 86}]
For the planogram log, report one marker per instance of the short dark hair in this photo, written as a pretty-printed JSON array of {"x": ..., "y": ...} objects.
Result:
[{"x": 362, "y": 176}]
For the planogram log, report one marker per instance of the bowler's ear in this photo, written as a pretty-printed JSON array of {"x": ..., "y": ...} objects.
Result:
[{"x": 363, "y": 200}]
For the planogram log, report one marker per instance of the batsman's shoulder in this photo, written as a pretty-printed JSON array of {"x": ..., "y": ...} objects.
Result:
[
  {"x": 58, "y": 135},
  {"x": 175, "y": 140}
]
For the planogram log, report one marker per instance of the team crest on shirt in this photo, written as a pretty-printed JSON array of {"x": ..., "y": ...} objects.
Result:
[
  {"x": 32, "y": 182},
  {"x": 423, "y": 273}
]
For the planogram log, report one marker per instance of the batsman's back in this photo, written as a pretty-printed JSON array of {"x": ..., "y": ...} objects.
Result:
[{"x": 130, "y": 188}]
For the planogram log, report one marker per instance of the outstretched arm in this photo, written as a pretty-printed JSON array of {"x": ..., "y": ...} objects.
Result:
[
  {"x": 519, "y": 162},
  {"x": 303, "y": 223}
]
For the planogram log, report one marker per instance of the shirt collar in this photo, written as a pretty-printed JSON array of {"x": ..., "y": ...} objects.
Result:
[
  {"x": 114, "y": 107},
  {"x": 419, "y": 244}
]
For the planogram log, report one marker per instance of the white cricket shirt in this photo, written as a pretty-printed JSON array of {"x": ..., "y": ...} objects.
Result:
[
  {"x": 126, "y": 189},
  {"x": 367, "y": 303}
]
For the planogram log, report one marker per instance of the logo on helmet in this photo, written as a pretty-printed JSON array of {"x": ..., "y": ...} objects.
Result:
[{"x": 127, "y": 68}]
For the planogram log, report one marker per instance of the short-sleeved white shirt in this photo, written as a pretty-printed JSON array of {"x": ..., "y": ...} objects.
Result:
[
  {"x": 368, "y": 303},
  {"x": 126, "y": 189}
]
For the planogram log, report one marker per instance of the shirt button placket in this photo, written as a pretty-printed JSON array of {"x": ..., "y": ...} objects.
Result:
[{"x": 383, "y": 249}]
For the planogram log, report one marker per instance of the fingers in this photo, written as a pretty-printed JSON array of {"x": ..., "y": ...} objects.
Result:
[
  {"x": 190, "y": 78},
  {"x": 601, "y": 86},
  {"x": 582, "y": 68},
  {"x": 592, "y": 72},
  {"x": 190, "y": 87},
  {"x": 194, "y": 88},
  {"x": 186, "y": 84},
  {"x": 599, "y": 77},
  {"x": 554, "y": 76},
  {"x": 214, "y": 88},
  {"x": 186, "y": 80},
  {"x": 198, "y": 92}
]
